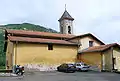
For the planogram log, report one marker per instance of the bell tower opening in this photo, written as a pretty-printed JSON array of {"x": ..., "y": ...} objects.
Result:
[{"x": 69, "y": 30}]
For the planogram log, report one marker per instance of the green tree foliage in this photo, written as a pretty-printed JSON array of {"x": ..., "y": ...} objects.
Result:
[
  {"x": 2, "y": 54},
  {"x": 24, "y": 26},
  {"x": 28, "y": 26}
]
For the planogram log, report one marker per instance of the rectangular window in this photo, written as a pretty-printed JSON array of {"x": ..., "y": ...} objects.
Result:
[
  {"x": 90, "y": 43},
  {"x": 50, "y": 46}
]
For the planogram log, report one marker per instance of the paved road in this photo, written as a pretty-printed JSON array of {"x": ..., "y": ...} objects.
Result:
[{"x": 58, "y": 76}]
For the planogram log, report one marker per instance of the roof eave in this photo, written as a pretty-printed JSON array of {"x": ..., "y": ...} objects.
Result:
[
  {"x": 115, "y": 44},
  {"x": 9, "y": 31},
  {"x": 88, "y": 34},
  {"x": 89, "y": 51},
  {"x": 66, "y": 18},
  {"x": 44, "y": 43}
]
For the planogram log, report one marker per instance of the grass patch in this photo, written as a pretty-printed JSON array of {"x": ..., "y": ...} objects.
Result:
[
  {"x": 2, "y": 67},
  {"x": 3, "y": 70}
]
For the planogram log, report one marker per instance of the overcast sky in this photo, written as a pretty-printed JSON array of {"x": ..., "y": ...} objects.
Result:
[{"x": 99, "y": 17}]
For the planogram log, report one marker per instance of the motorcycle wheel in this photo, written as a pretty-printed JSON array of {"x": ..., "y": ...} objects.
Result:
[{"x": 20, "y": 73}]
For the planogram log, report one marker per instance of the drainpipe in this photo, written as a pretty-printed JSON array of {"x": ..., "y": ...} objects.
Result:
[
  {"x": 78, "y": 56},
  {"x": 112, "y": 65},
  {"x": 102, "y": 61},
  {"x": 78, "y": 51},
  {"x": 15, "y": 57},
  {"x": 16, "y": 52}
]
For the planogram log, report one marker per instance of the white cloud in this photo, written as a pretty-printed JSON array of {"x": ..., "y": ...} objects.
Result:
[{"x": 100, "y": 17}]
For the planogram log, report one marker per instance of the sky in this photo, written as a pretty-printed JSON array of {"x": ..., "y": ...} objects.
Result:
[{"x": 99, "y": 17}]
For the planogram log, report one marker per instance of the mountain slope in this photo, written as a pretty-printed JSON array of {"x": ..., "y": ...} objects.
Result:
[{"x": 28, "y": 26}]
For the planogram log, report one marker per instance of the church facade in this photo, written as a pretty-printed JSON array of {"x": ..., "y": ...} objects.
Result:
[{"x": 52, "y": 49}]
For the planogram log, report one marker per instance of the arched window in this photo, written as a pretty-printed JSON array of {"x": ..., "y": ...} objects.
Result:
[{"x": 69, "y": 29}]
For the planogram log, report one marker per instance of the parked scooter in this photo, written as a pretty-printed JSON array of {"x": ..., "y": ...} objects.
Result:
[{"x": 19, "y": 70}]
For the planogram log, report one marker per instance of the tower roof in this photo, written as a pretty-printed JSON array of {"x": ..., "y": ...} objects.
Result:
[{"x": 66, "y": 15}]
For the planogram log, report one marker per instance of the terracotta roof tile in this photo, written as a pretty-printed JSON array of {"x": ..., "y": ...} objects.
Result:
[
  {"x": 98, "y": 48},
  {"x": 85, "y": 35},
  {"x": 39, "y": 40},
  {"x": 37, "y": 33}
]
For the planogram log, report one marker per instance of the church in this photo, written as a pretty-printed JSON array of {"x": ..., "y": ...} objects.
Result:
[{"x": 34, "y": 49}]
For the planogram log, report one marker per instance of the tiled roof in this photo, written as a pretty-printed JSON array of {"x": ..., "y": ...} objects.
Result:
[
  {"x": 39, "y": 40},
  {"x": 66, "y": 15},
  {"x": 98, "y": 48},
  {"x": 85, "y": 35},
  {"x": 37, "y": 33}
]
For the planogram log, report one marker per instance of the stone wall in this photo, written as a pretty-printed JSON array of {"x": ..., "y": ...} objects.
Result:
[{"x": 40, "y": 67}]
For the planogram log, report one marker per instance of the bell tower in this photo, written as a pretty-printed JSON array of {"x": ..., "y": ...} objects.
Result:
[{"x": 66, "y": 23}]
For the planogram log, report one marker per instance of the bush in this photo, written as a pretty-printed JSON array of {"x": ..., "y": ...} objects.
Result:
[
  {"x": 2, "y": 53},
  {"x": 2, "y": 60}
]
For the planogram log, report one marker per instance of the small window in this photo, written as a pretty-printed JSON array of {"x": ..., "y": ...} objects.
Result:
[
  {"x": 69, "y": 29},
  {"x": 50, "y": 47},
  {"x": 90, "y": 43}
]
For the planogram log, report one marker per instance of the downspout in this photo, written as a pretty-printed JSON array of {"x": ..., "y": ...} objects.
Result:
[
  {"x": 112, "y": 60},
  {"x": 101, "y": 61},
  {"x": 16, "y": 52},
  {"x": 78, "y": 56},
  {"x": 14, "y": 56}
]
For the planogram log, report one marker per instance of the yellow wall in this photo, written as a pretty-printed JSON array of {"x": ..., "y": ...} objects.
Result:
[
  {"x": 116, "y": 54},
  {"x": 108, "y": 59},
  {"x": 9, "y": 53},
  {"x": 93, "y": 58},
  {"x": 39, "y": 54},
  {"x": 85, "y": 42}
]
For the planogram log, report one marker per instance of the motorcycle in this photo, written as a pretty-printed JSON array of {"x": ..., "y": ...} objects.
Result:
[{"x": 19, "y": 70}]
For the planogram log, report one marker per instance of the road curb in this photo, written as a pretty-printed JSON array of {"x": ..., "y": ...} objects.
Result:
[{"x": 7, "y": 75}]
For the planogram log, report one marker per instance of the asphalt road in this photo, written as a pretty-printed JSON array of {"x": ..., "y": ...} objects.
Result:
[{"x": 58, "y": 76}]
